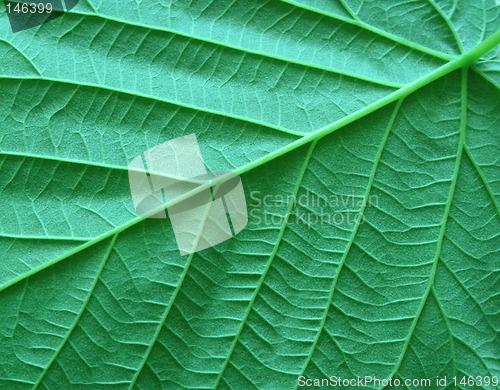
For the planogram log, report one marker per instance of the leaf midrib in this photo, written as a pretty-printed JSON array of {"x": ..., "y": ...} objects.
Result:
[{"x": 461, "y": 61}]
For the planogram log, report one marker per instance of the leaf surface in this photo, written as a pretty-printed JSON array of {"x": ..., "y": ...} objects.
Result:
[{"x": 385, "y": 113}]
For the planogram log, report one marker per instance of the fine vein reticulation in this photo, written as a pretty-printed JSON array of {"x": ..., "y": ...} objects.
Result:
[{"x": 334, "y": 99}]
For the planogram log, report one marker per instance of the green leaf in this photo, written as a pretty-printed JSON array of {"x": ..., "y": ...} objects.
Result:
[{"x": 379, "y": 118}]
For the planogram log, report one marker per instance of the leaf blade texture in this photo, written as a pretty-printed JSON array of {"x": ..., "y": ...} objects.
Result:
[{"x": 388, "y": 110}]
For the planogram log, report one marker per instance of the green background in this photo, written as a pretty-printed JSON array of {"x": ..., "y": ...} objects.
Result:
[{"x": 350, "y": 99}]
